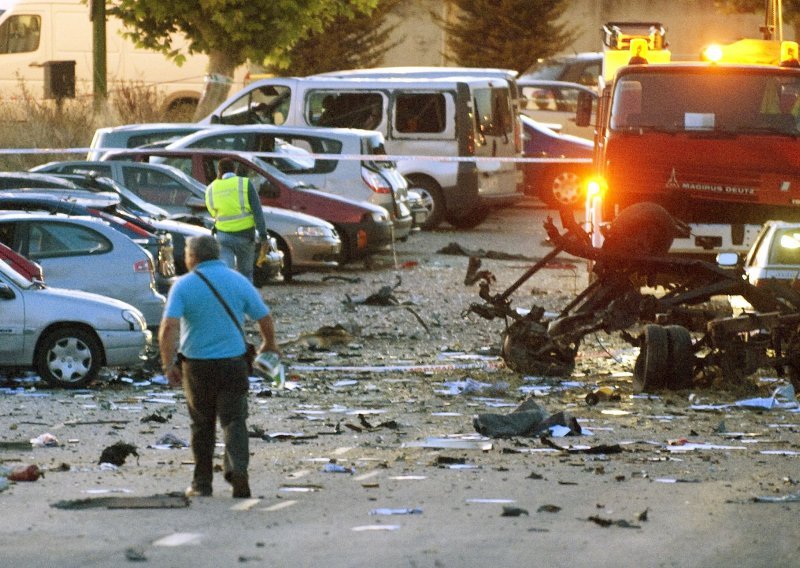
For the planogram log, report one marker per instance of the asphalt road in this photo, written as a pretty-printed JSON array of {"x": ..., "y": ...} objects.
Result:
[{"x": 422, "y": 489}]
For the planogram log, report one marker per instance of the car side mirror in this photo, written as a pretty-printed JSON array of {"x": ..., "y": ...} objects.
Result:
[
  {"x": 583, "y": 114},
  {"x": 6, "y": 292},
  {"x": 728, "y": 259},
  {"x": 214, "y": 119}
]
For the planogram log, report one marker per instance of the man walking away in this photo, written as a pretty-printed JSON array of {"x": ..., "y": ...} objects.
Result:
[
  {"x": 233, "y": 202},
  {"x": 213, "y": 370}
]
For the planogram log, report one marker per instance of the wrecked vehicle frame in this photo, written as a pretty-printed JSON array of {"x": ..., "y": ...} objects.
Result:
[{"x": 659, "y": 303}]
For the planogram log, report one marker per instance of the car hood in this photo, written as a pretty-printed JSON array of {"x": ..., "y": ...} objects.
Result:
[
  {"x": 276, "y": 214},
  {"x": 101, "y": 312},
  {"x": 172, "y": 226}
]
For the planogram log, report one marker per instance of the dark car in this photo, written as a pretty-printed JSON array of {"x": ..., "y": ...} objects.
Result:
[
  {"x": 556, "y": 183},
  {"x": 582, "y": 68},
  {"x": 363, "y": 228}
]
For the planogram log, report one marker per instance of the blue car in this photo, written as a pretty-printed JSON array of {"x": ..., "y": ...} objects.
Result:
[{"x": 558, "y": 184}]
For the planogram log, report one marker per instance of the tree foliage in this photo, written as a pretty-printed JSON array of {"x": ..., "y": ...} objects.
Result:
[
  {"x": 504, "y": 33},
  {"x": 230, "y": 32},
  {"x": 346, "y": 43},
  {"x": 791, "y": 10}
]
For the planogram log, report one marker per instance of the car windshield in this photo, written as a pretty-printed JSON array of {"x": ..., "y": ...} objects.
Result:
[
  {"x": 786, "y": 247},
  {"x": 701, "y": 101},
  {"x": 14, "y": 276}
]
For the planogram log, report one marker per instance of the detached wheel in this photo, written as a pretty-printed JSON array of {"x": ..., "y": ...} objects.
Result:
[
  {"x": 651, "y": 365},
  {"x": 681, "y": 356},
  {"x": 433, "y": 199},
  {"x": 69, "y": 357}
]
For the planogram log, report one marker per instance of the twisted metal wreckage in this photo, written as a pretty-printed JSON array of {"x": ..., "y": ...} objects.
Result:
[{"x": 666, "y": 301}]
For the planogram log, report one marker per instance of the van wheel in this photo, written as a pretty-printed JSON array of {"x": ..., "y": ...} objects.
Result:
[
  {"x": 69, "y": 357},
  {"x": 468, "y": 220},
  {"x": 432, "y": 198}
]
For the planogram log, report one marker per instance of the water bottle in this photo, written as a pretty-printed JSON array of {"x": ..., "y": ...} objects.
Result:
[{"x": 268, "y": 365}]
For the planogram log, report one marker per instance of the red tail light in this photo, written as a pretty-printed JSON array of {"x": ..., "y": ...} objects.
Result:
[{"x": 143, "y": 266}]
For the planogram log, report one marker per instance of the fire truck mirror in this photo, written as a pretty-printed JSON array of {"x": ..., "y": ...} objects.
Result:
[{"x": 583, "y": 115}]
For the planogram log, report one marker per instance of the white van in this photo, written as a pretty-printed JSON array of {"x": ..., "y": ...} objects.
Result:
[
  {"x": 431, "y": 120},
  {"x": 35, "y": 34}
]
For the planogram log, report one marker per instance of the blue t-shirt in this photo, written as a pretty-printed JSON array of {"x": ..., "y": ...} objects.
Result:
[{"x": 207, "y": 331}]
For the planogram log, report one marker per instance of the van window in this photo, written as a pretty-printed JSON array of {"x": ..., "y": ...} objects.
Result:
[
  {"x": 268, "y": 104},
  {"x": 345, "y": 110},
  {"x": 492, "y": 113},
  {"x": 20, "y": 34},
  {"x": 420, "y": 113}
]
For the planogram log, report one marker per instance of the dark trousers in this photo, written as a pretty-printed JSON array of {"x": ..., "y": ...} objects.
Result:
[{"x": 217, "y": 388}]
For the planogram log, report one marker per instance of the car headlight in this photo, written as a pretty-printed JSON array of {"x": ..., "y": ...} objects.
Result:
[
  {"x": 313, "y": 232},
  {"x": 135, "y": 319}
]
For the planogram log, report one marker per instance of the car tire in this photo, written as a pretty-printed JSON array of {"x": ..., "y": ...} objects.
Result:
[
  {"x": 644, "y": 229},
  {"x": 433, "y": 197},
  {"x": 651, "y": 364},
  {"x": 69, "y": 357},
  {"x": 561, "y": 188},
  {"x": 681, "y": 358},
  {"x": 468, "y": 220},
  {"x": 287, "y": 269}
]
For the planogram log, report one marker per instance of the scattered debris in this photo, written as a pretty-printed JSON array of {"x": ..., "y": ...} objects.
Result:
[
  {"x": 600, "y": 449},
  {"x": 396, "y": 511},
  {"x": 45, "y": 441},
  {"x": 168, "y": 501},
  {"x": 609, "y": 522},
  {"x": 509, "y": 511},
  {"x": 336, "y": 468},
  {"x": 117, "y": 453},
  {"x": 23, "y": 473},
  {"x": 548, "y": 509},
  {"x": 528, "y": 419}
]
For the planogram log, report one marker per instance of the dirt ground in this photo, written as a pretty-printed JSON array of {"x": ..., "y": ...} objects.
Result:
[{"x": 389, "y": 393}]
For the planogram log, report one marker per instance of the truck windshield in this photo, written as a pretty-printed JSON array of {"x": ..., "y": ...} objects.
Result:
[{"x": 708, "y": 100}]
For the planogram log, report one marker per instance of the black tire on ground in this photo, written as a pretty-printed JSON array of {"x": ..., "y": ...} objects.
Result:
[
  {"x": 561, "y": 187},
  {"x": 642, "y": 229},
  {"x": 469, "y": 219},
  {"x": 432, "y": 196},
  {"x": 681, "y": 358},
  {"x": 69, "y": 357},
  {"x": 652, "y": 363}
]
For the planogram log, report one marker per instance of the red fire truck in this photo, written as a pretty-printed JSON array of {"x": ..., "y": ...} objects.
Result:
[{"x": 716, "y": 142}]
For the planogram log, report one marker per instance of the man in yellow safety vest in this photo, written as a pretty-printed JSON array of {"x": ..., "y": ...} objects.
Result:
[{"x": 233, "y": 202}]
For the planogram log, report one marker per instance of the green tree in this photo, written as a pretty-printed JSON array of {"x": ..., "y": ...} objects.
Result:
[
  {"x": 230, "y": 32},
  {"x": 346, "y": 43},
  {"x": 504, "y": 33}
]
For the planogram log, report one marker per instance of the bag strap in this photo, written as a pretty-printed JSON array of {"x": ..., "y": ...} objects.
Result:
[{"x": 224, "y": 304}]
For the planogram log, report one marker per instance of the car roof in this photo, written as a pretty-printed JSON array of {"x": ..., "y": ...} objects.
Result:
[
  {"x": 312, "y": 131},
  {"x": 101, "y": 199}
]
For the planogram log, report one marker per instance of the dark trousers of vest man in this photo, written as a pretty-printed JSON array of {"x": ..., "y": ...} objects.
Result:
[{"x": 217, "y": 388}]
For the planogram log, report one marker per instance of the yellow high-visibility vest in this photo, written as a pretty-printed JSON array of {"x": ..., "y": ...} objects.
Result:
[{"x": 226, "y": 200}]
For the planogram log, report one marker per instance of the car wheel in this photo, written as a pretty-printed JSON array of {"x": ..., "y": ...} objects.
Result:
[
  {"x": 346, "y": 255},
  {"x": 561, "y": 188},
  {"x": 681, "y": 358},
  {"x": 651, "y": 364},
  {"x": 468, "y": 220},
  {"x": 69, "y": 357},
  {"x": 286, "y": 271},
  {"x": 432, "y": 198}
]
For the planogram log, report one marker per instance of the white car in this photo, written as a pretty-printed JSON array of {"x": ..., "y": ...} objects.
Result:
[
  {"x": 86, "y": 253},
  {"x": 65, "y": 335}
]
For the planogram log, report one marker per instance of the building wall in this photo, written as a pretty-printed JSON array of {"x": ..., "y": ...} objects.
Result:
[{"x": 690, "y": 25}]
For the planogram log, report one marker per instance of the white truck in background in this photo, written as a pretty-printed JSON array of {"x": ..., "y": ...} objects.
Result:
[{"x": 35, "y": 34}]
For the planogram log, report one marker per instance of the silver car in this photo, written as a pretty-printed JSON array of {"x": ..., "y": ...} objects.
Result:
[
  {"x": 65, "y": 335},
  {"x": 85, "y": 253}
]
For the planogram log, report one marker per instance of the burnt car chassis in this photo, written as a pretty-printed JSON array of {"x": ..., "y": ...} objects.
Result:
[{"x": 634, "y": 285}]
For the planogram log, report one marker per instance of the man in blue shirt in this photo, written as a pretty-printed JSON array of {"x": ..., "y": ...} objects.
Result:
[{"x": 213, "y": 370}]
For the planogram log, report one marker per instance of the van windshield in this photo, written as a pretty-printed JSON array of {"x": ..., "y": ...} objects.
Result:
[{"x": 20, "y": 34}]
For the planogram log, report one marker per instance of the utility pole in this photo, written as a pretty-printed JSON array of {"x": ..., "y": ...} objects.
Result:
[{"x": 97, "y": 14}]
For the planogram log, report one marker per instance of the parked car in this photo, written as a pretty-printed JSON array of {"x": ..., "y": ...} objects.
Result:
[
  {"x": 363, "y": 228},
  {"x": 85, "y": 253},
  {"x": 303, "y": 243},
  {"x": 774, "y": 257},
  {"x": 375, "y": 181},
  {"x": 19, "y": 180},
  {"x": 105, "y": 205},
  {"x": 135, "y": 135},
  {"x": 582, "y": 68},
  {"x": 67, "y": 336},
  {"x": 560, "y": 183}
]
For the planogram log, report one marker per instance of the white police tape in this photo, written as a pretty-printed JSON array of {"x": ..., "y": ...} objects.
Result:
[{"x": 289, "y": 155}]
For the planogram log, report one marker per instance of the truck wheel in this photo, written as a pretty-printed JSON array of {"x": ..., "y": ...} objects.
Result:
[
  {"x": 642, "y": 229},
  {"x": 651, "y": 364},
  {"x": 69, "y": 357},
  {"x": 681, "y": 355},
  {"x": 433, "y": 199},
  {"x": 561, "y": 188},
  {"x": 468, "y": 220}
]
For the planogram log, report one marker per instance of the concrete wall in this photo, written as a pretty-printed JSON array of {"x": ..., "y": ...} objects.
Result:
[{"x": 690, "y": 24}]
